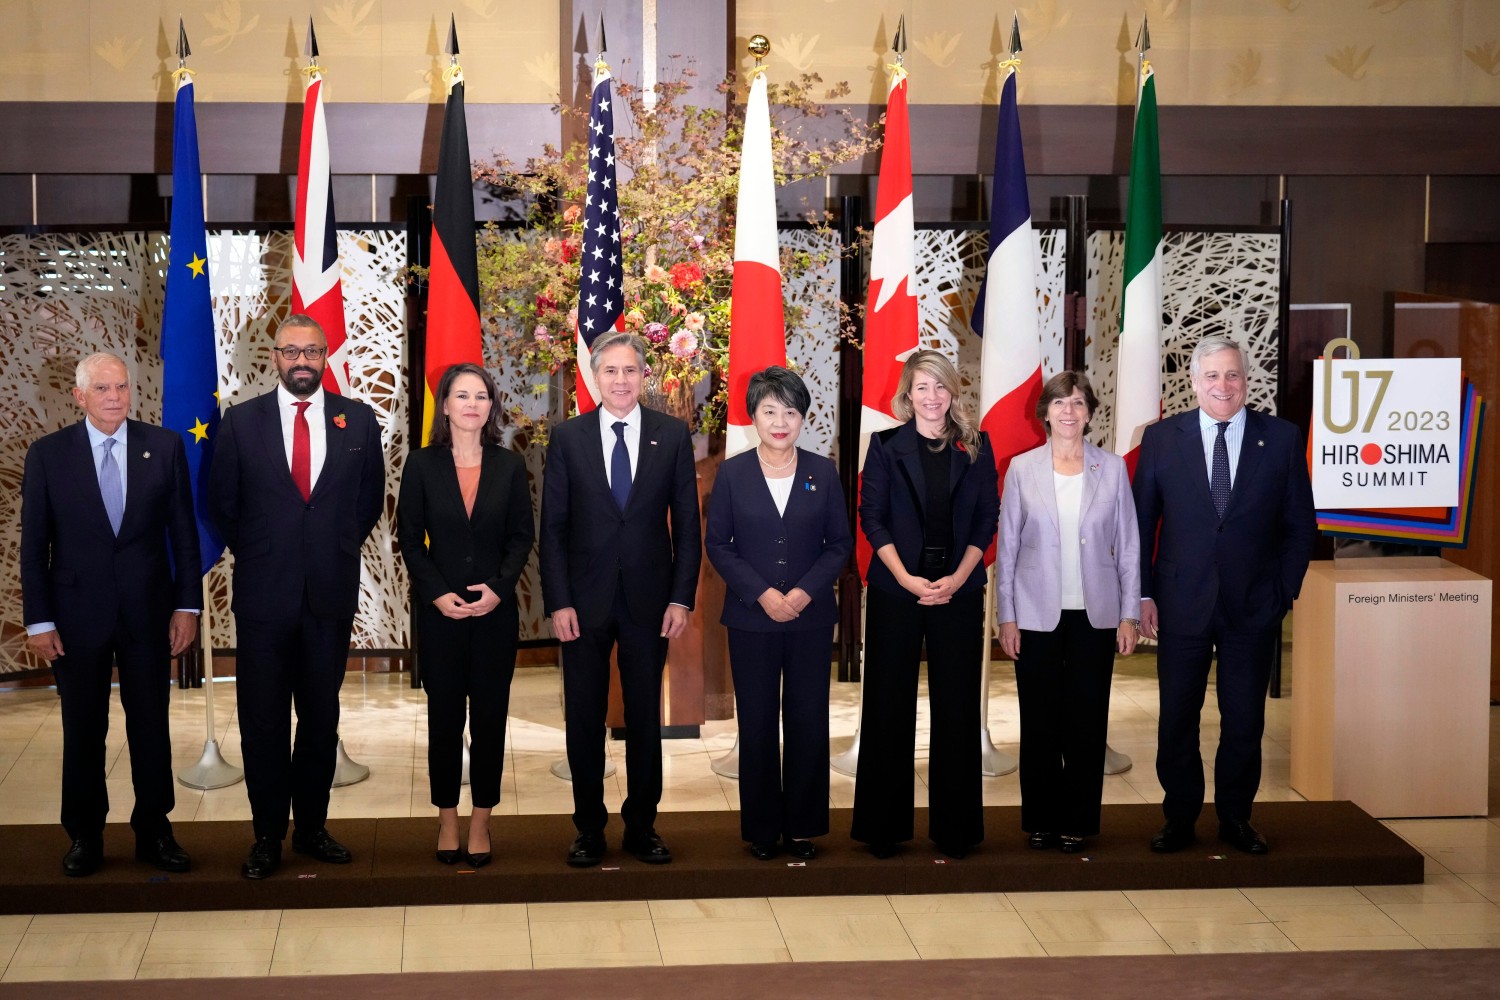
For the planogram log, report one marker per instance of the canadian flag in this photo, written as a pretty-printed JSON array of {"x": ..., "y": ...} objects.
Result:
[
  {"x": 891, "y": 306},
  {"x": 316, "y": 287},
  {"x": 757, "y": 330}
]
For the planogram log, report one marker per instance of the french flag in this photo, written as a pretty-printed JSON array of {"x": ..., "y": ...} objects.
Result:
[
  {"x": 757, "y": 328},
  {"x": 1005, "y": 314}
]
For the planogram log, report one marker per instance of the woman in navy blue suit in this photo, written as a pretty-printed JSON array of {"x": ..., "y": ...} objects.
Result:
[
  {"x": 465, "y": 523},
  {"x": 778, "y": 534},
  {"x": 929, "y": 503}
]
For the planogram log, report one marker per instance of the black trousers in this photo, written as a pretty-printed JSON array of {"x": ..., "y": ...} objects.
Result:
[
  {"x": 883, "y": 786},
  {"x": 1244, "y": 674},
  {"x": 782, "y": 677},
  {"x": 83, "y": 684},
  {"x": 641, "y": 653},
  {"x": 1063, "y": 679},
  {"x": 298, "y": 662},
  {"x": 467, "y": 667}
]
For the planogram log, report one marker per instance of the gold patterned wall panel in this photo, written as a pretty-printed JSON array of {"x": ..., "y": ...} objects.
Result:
[
  {"x": 377, "y": 51},
  {"x": 1215, "y": 52}
]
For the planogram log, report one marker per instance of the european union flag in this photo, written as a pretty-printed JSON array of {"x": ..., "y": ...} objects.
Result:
[{"x": 190, "y": 377}]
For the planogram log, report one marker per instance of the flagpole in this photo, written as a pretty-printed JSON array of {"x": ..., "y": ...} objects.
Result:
[{"x": 212, "y": 770}]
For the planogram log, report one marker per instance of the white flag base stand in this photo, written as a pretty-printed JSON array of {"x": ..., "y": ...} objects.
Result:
[
  {"x": 1116, "y": 762},
  {"x": 347, "y": 771},
  {"x": 993, "y": 763},
  {"x": 464, "y": 777},
  {"x": 728, "y": 766},
  {"x": 560, "y": 769},
  {"x": 847, "y": 763},
  {"x": 211, "y": 771}
]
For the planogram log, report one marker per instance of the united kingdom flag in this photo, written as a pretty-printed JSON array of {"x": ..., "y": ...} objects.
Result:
[
  {"x": 316, "y": 287},
  {"x": 601, "y": 279}
]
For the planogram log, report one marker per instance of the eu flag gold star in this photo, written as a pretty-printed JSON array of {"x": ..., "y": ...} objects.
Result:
[
  {"x": 196, "y": 265},
  {"x": 199, "y": 430}
]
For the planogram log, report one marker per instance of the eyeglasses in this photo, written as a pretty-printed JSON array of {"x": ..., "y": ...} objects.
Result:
[{"x": 291, "y": 353}]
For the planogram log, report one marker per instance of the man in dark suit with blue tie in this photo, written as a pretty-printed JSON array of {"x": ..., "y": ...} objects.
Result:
[
  {"x": 615, "y": 577},
  {"x": 298, "y": 482},
  {"x": 109, "y": 579},
  {"x": 1227, "y": 530}
]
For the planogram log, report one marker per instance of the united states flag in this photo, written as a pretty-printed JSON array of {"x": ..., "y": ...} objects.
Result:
[{"x": 601, "y": 279}]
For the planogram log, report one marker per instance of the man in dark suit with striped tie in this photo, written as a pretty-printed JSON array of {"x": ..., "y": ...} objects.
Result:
[
  {"x": 298, "y": 482},
  {"x": 109, "y": 580},
  {"x": 620, "y": 550},
  {"x": 1227, "y": 528}
]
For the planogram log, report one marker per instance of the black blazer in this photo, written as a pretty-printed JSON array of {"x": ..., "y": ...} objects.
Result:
[
  {"x": 285, "y": 548},
  {"x": 445, "y": 550},
  {"x": 75, "y": 571},
  {"x": 893, "y": 489},
  {"x": 587, "y": 542},
  {"x": 754, "y": 546},
  {"x": 1252, "y": 562}
]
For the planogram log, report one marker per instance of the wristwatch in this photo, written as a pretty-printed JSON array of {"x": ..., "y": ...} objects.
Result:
[{"x": 1133, "y": 622}]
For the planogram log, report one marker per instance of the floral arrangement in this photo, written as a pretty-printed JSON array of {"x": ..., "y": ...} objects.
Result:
[{"x": 678, "y": 169}]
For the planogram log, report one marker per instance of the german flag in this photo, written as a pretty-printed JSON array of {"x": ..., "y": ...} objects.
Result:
[{"x": 453, "y": 282}]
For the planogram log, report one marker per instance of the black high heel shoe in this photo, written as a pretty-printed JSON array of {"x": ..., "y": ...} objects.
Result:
[
  {"x": 477, "y": 859},
  {"x": 446, "y": 857}
]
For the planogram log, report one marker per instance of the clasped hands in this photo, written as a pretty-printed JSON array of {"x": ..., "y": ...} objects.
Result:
[
  {"x": 933, "y": 592},
  {"x": 453, "y": 606},
  {"x": 784, "y": 607}
]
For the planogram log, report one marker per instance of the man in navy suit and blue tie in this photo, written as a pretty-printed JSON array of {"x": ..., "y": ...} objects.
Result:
[
  {"x": 109, "y": 580},
  {"x": 615, "y": 577},
  {"x": 298, "y": 482},
  {"x": 1227, "y": 529}
]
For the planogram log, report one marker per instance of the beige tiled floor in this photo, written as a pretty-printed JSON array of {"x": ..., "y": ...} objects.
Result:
[{"x": 384, "y": 726}]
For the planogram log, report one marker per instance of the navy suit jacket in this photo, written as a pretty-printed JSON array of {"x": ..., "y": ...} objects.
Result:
[
  {"x": 754, "y": 546},
  {"x": 75, "y": 572},
  {"x": 445, "y": 549},
  {"x": 893, "y": 489},
  {"x": 285, "y": 548},
  {"x": 1252, "y": 562},
  {"x": 589, "y": 546}
]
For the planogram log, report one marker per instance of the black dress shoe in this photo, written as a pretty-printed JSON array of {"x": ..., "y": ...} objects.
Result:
[
  {"x": 647, "y": 847},
  {"x": 1070, "y": 845},
  {"x": 884, "y": 851},
  {"x": 587, "y": 850},
  {"x": 765, "y": 852},
  {"x": 84, "y": 857},
  {"x": 264, "y": 859},
  {"x": 1240, "y": 835},
  {"x": 163, "y": 852},
  {"x": 1041, "y": 841},
  {"x": 802, "y": 850},
  {"x": 955, "y": 851},
  {"x": 1173, "y": 837},
  {"x": 320, "y": 846}
]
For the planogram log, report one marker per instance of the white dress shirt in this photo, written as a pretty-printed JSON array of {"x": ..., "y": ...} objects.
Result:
[
  {"x": 316, "y": 425},
  {"x": 607, "y": 438},
  {"x": 1069, "y": 491},
  {"x": 781, "y": 491},
  {"x": 1234, "y": 437}
]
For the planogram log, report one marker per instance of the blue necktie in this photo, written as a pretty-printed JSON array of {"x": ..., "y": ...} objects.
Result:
[
  {"x": 619, "y": 467},
  {"x": 110, "y": 487},
  {"x": 1218, "y": 483}
]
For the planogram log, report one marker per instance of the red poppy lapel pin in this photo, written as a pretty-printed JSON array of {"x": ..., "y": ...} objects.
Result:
[{"x": 340, "y": 422}]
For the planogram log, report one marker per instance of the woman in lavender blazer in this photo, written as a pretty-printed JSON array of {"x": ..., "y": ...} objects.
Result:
[{"x": 1067, "y": 573}]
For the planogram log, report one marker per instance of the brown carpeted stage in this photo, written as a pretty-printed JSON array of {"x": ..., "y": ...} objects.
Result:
[
  {"x": 1312, "y": 843},
  {"x": 1362, "y": 975}
]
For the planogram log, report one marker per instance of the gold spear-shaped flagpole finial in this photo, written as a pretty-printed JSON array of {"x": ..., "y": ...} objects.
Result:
[
  {"x": 310, "y": 49},
  {"x": 452, "y": 47},
  {"x": 603, "y": 39},
  {"x": 899, "y": 45},
  {"x": 1015, "y": 34},
  {"x": 183, "y": 48},
  {"x": 1143, "y": 38}
]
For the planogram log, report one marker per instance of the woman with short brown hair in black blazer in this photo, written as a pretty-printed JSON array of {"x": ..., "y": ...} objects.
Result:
[{"x": 465, "y": 522}]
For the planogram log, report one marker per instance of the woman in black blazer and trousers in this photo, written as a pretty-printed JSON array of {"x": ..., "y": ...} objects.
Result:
[
  {"x": 778, "y": 533},
  {"x": 465, "y": 523},
  {"x": 929, "y": 504}
]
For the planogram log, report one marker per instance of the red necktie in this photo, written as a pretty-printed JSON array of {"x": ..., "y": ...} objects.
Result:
[{"x": 302, "y": 451}]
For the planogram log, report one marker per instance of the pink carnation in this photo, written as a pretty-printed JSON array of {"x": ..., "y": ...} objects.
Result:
[
  {"x": 684, "y": 343},
  {"x": 694, "y": 321},
  {"x": 655, "y": 274}
]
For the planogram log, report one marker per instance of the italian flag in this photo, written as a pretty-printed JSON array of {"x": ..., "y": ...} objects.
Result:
[{"x": 1138, "y": 363}]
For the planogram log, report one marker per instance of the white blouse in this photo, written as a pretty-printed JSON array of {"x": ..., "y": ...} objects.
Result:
[{"x": 1069, "y": 490}]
